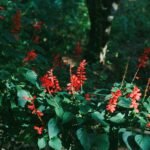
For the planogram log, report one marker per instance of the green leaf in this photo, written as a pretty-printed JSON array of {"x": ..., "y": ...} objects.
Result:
[
  {"x": 21, "y": 94},
  {"x": 55, "y": 143},
  {"x": 84, "y": 139},
  {"x": 67, "y": 117},
  {"x": 59, "y": 112},
  {"x": 124, "y": 102},
  {"x": 101, "y": 142},
  {"x": 99, "y": 117},
  {"x": 125, "y": 137},
  {"x": 118, "y": 118},
  {"x": 31, "y": 76},
  {"x": 41, "y": 143},
  {"x": 143, "y": 141},
  {"x": 53, "y": 129}
]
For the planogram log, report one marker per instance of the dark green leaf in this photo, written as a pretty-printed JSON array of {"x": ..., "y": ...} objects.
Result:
[
  {"x": 99, "y": 117},
  {"x": 143, "y": 141},
  {"x": 31, "y": 76},
  {"x": 118, "y": 118},
  {"x": 53, "y": 129},
  {"x": 84, "y": 139},
  {"x": 67, "y": 117},
  {"x": 124, "y": 102},
  {"x": 21, "y": 97},
  {"x": 41, "y": 143},
  {"x": 55, "y": 143}
]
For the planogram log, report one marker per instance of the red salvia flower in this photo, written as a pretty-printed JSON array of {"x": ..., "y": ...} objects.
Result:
[
  {"x": 31, "y": 107},
  {"x": 111, "y": 107},
  {"x": 50, "y": 82},
  {"x": 74, "y": 85},
  {"x": 81, "y": 74},
  {"x": 77, "y": 80},
  {"x": 31, "y": 55},
  {"x": 16, "y": 20},
  {"x": 143, "y": 59},
  {"x": 135, "y": 96},
  {"x": 39, "y": 113},
  {"x": 39, "y": 129}
]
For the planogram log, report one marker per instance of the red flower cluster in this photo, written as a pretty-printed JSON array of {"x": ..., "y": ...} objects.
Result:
[
  {"x": 16, "y": 19},
  {"x": 111, "y": 107},
  {"x": 81, "y": 74},
  {"x": 135, "y": 95},
  {"x": 35, "y": 111},
  {"x": 38, "y": 25},
  {"x": 78, "y": 49},
  {"x": 31, "y": 55},
  {"x": 148, "y": 125},
  {"x": 32, "y": 107},
  {"x": 76, "y": 81},
  {"x": 39, "y": 129},
  {"x": 50, "y": 82},
  {"x": 144, "y": 58}
]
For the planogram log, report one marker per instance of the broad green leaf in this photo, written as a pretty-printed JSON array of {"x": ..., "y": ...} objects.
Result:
[
  {"x": 143, "y": 141},
  {"x": 99, "y": 117},
  {"x": 53, "y": 129},
  {"x": 55, "y": 143},
  {"x": 59, "y": 112},
  {"x": 51, "y": 102},
  {"x": 124, "y": 102},
  {"x": 41, "y": 143},
  {"x": 101, "y": 142},
  {"x": 84, "y": 138},
  {"x": 118, "y": 118},
  {"x": 67, "y": 116},
  {"x": 31, "y": 76},
  {"x": 21, "y": 96},
  {"x": 125, "y": 137}
]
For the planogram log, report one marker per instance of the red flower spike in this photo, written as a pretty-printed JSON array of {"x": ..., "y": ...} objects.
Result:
[
  {"x": 39, "y": 129},
  {"x": 16, "y": 20},
  {"x": 50, "y": 82},
  {"x": 75, "y": 84},
  {"x": 135, "y": 96},
  {"x": 81, "y": 74},
  {"x": 77, "y": 81},
  {"x": 111, "y": 107},
  {"x": 143, "y": 59},
  {"x": 31, "y": 55},
  {"x": 39, "y": 113},
  {"x": 31, "y": 107}
]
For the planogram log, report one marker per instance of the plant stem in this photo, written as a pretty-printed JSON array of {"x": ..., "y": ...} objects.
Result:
[
  {"x": 135, "y": 74},
  {"x": 146, "y": 89},
  {"x": 125, "y": 73}
]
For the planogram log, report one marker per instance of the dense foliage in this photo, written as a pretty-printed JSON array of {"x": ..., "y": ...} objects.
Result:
[{"x": 52, "y": 98}]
